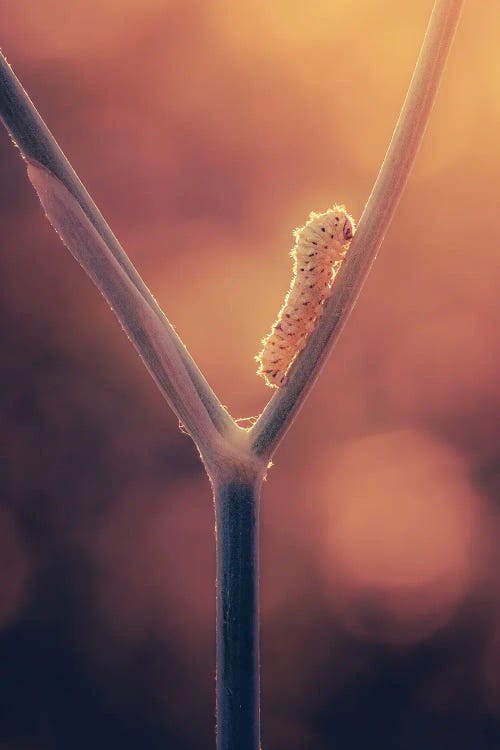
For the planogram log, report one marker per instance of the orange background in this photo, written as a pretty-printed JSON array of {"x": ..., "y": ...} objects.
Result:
[{"x": 206, "y": 132}]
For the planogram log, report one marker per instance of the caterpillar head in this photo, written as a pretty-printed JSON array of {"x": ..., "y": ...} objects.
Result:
[
  {"x": 341, "y": 225},
  {"x": 348, "y": 228},
  {"x": 336, "y": 223}
]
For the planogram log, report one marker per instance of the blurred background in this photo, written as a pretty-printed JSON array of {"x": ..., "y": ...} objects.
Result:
[{"x": 206, "y": 132}]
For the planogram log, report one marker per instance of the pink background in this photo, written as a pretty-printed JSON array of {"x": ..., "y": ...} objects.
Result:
[{"x": 206, "y": 132}]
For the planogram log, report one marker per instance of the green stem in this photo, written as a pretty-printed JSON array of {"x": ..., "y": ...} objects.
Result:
[{"x": 237, "y": 531}]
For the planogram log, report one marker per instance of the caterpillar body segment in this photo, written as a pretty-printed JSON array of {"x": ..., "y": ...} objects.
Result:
[{"x": 320, "y": 247}]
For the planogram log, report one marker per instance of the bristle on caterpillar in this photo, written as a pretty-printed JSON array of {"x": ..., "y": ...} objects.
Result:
[{"x": 319, "y": 250}]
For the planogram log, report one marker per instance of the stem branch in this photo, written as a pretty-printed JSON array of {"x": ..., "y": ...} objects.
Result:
[
  {"x": 39, "y": 147},
  {"x": 284, "y": 405}
]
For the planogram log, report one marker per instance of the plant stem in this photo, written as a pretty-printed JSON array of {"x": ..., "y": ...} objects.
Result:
[
  {"x": 145, "y": 329},
  {"x": 237, "y": 533},
  {"x": 39, "y": 147},
  {"x": 224, "y": 446},
  {"x": 393, "y": 175}
]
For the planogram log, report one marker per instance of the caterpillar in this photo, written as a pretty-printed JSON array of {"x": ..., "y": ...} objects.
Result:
[{"x": 319, "y": 250}]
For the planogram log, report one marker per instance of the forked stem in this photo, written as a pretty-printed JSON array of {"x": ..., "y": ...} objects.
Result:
[{"x": 223, "y": 445}]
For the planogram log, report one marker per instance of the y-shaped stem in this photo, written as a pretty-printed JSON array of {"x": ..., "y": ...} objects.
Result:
[{"x": 222, "y": 443}]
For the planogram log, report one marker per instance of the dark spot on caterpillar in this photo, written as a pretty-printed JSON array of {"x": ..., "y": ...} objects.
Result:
[
  {"x": 331, "y": 236},
  {"x": 323, "y": 228},
  {"x": 311, "y": 255},
  {"x": 305, "y": 303},
  {"x": 301, "y": 269},
  {"x": 315, "y": 243}
]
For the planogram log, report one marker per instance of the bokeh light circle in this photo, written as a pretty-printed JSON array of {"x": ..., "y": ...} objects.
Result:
[{"x": 402, "y": 536}]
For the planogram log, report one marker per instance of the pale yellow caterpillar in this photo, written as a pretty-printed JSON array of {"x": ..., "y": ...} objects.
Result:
[{"x": 320, "y": 247}]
